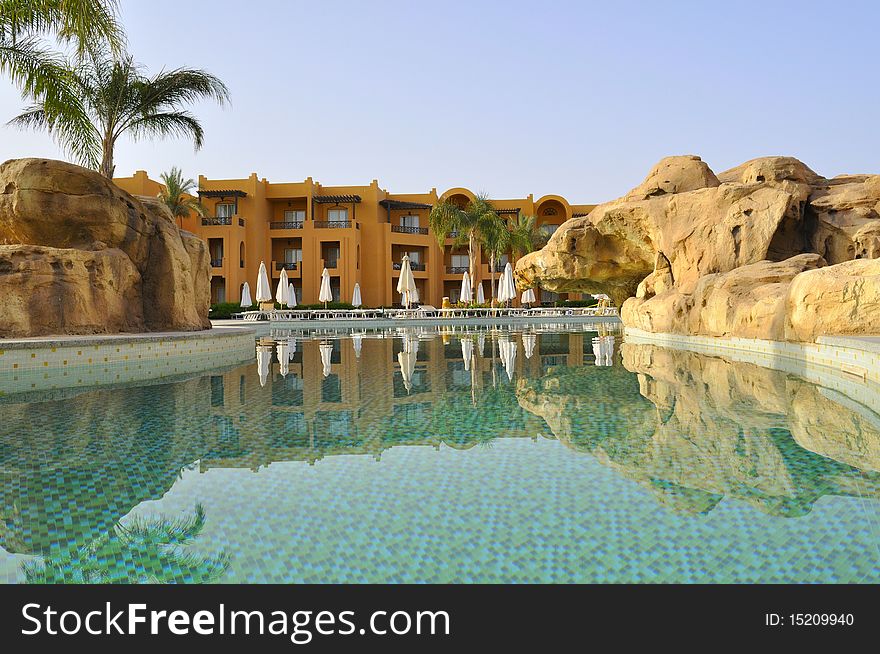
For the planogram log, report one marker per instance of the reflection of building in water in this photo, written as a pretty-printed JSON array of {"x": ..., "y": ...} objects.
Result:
[{"x": 401, "y": 390}]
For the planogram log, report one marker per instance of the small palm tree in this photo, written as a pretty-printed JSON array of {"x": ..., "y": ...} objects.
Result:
[
  {"x": 525, "y": 235},
  {"x": 177, "y": 197},
  {"x": 34, "y": 68},
  {"x": 466, "y": 223},
  {"x": 118, "y": 98}
]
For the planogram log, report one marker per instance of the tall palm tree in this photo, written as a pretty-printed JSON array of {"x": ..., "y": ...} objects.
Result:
[
  {"x": 495, "y": 241},
  {"x": 466, "y": 224},
  {"x": 24, "y": 56},
  {"x": 118, "y": 99},
  {"x": 177, "y": 197}
]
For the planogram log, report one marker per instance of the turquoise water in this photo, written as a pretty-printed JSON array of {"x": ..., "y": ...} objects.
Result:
[{"x": 415, "y": 456}]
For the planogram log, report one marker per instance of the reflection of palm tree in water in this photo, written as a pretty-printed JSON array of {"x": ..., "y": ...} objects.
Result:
[{"x": 141, "y": 551}]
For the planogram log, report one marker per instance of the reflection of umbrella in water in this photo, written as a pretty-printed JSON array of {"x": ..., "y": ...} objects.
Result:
[
  {"x": 326, "y": 350},
  {"x": 291, "y": 348},
  {"x": 529, "y": 342},
  {"x": 467, "y": 352},
  {"x": 357, "y": 339},
  {"x": 507, "y": 351},
  {"x": 264, "y": 360},
  {"x": 283, "y": 357},
  {"x": 407, "y": 360},
  {"x": 481, "y": 343}
]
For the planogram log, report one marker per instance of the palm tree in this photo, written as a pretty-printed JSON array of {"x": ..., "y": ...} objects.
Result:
[
  {"x": 177, "y": 197},
  {"x": 526, "y": 236},
  {"x": 118, "y": 99},
  {"x": 466, "y": 224},
  {"x": 35, "y": 69},
  {"x": 495, "y": 241},
  {"x": 141, "y": 551}
]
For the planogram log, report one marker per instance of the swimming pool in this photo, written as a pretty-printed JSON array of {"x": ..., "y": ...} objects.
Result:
[{"x": 515, "y": 454}]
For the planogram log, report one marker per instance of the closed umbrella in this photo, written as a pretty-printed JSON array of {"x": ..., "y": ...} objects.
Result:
[
  {"x": 246, "y": 301},
  {"x": 506, "y": 287},
  {"x": 264, "y": 360},
  {"x": 283, "y": 357},
  {"x": 281, "y": 291},
  {"x": 466, "y": 290},
  {"x": 528, "y": 296},
  {"x": 264, "y": 289},
  {"x": 481, "y": 297},
  {"x": 291, "y": 297},
  {"x": 406, "y": 285},
  {"x": 529, "y": 342},
  {"x": 325, "y": 295},
  {"x": 326, "y": 350},
  {"x": 356, "y": 296}
]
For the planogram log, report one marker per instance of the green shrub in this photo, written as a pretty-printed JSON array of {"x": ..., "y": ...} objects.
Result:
[
  {"x": 224, "y": 310},
  {"x": 591, "y": 302}
]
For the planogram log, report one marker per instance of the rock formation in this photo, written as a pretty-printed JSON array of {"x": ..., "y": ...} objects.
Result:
[
  {"x": 80, "y": 256},
  {"x": 757, "y": 251}
]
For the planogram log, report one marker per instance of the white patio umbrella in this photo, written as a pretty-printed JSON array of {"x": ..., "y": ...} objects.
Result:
[
  {"x": 406, "y": 285},
  {"x": 466, "y": 291},
  {"x": 326, "y": 350},
  {"x": 246, "y": 300},
  {"x": 264, "y": 360},
  {"x": 507, "y": 351},
  {"x": 291, "y": 297},
  {"x": 325, "y": 295},
  {"x": 529, "y": 342},
  {"x": 467, "y": 352},
  {"x": 264, "y": 289},
  {"x": 506, "y": 286},
  {"x": 481, "y": 297},
  {"x": 356, "y": 296},
  {"x": 528, "y": 297},
  {"x": 281, "y": 348},
  {"x": 281, "y": 291}
]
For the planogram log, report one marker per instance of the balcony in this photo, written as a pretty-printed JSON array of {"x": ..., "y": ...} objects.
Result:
[
  {"x": 333, "y": 224},
  {"x": 217, "y": 263},
  {"x": 456, "y": 270},
  {"x": 221, "y": 220},
  {"x": 286, "y": 225},
  {"x": 283, "y": 265},
  {"x": 402, "y": 229},
  {"x": 413, "y": 266}
]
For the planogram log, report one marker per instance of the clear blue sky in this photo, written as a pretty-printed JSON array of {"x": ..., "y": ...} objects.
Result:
[{"x": 575, "y": 98}]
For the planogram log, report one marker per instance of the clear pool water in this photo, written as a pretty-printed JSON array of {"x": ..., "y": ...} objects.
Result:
[{"x": 559, "y": 455}]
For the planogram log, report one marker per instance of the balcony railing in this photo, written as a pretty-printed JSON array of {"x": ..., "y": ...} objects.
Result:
[
  {"x": 222, "y": 220},
  {"x": 286, "y": 225},
  {"x": 217, "y": 263},
  {"x": 332, "y": 224},
  {"x": 330, "y": 265},
  {"x": 405, "y": 229},
  {"x": 283, "y": 265},
  {"x": 456, "y": 270},
  {"x": 413, "y": 266}
]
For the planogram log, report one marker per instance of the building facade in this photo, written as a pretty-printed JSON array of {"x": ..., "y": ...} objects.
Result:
[{"x": 359, "y": 233}]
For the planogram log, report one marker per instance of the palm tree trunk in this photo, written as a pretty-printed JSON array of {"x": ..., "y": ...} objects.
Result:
[
  {"x": 492, "y": 274},
  {"x": 107, "y": 165},
  {"x": 472, "y": 257}
]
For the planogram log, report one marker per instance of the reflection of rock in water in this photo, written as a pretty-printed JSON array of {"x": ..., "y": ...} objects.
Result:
[
  {"x": 694, "y": 429},
  {"x": 69, "y": 470}
]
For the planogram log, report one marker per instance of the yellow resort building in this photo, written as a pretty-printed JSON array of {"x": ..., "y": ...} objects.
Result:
[{"x": 359, "y": 233}]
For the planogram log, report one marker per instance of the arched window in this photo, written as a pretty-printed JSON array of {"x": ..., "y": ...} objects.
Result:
[{"x": 550, "y": 211}]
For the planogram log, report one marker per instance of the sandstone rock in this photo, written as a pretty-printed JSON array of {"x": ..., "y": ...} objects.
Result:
[
  {"x": 841, "y": 299},
  {"x": 676, "y": 240},
  {"x": 675, "y": 175},
  {"x": 112, "y": 262}
]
